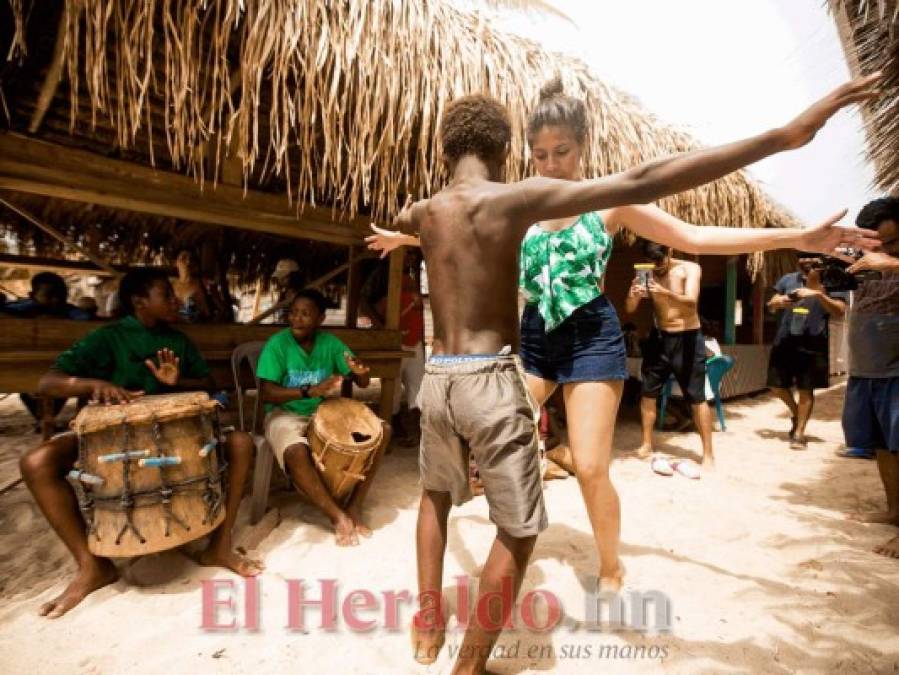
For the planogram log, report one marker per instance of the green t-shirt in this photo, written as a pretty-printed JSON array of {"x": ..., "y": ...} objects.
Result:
[
  {"x": 560, "y": 271},
  {"x": 284, "y": 362},
  {"x": 117, "y": 351}
]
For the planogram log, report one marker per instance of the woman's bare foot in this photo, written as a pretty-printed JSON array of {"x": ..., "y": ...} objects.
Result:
[
  {"x": 426, "y": 644},
  {"x": 885, "y": 517},
  {"x": 345, "y": 531},
  {"x": 227, "y": 557},
  {"x": 95, "y": 575},
  {"x": 612, "y": 580},
  {"x": 644, "y": 451},
  {"x": 889, "y": 549},
  {"x": 708, "y": 463}
]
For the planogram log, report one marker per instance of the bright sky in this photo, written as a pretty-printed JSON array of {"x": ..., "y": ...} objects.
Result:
[{"x": 726, "y": 69}]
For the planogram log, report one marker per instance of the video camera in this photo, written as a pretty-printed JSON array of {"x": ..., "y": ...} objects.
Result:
[{"x": 834, "y": 276}]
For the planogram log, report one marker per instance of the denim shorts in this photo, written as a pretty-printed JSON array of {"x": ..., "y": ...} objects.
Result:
[
  {"x": 871, "y": 413},
  {"x": 587, "y": 347}
]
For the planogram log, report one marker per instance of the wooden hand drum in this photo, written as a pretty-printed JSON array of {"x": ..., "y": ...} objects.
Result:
[
  {"x": 343, "y": 436},
  {"x": 149, "y": 473}
]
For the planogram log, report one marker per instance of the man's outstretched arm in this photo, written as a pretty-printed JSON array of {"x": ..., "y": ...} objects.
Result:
[{"x": 537, "y": 199}]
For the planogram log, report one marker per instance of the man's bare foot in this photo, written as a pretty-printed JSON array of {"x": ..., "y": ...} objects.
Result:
[
  {"x": 799, "y": 442},
  {"x": 227, "y": 557},
  {"x": 884, "y": 517},
  {"x": 426, "y": 644},
  {"x": 561, "y": 455},
  {"x": 361, "y": 528},
  {"x": 88, "y": 579},
  {"x": 345, "y": 531},
  {"x": 644, "y": 451},
  {"x": 708, "y": 463},
  {"x": 889, "y": 549}
]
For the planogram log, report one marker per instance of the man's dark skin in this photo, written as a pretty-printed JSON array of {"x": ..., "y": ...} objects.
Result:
[
  {"x": 470, "y": 235},
  {"x": 44, "y": 468},
  {"x": 305, "y": 320}
]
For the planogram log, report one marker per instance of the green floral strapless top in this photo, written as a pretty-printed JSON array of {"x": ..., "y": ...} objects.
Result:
[{"x": 560, "y": 270}]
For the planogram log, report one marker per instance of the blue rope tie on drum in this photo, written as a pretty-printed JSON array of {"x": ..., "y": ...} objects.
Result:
[{"x": 165, "y": 491}]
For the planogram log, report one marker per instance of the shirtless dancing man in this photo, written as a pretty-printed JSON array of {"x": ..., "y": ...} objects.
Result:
[
  {"x": 676, "y": 345},
  {"x": 474, "y": 399}
]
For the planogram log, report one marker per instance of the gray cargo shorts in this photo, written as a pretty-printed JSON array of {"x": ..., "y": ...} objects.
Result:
[{"x": 480, "y": 406}]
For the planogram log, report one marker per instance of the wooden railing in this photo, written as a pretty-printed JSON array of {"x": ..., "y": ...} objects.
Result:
[{"x": 28, "y": 348}]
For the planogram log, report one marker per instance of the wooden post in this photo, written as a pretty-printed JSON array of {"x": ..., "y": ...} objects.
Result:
[
  {"x": 257, "y": 298},
  {"x": 353, "y": 289},
  {"x": 758, "y": 309},
  {"x": 392, "y": 321},
  {"x": 730, "y": 302}
]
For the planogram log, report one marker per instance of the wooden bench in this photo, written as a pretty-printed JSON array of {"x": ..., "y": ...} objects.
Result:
[{"x": 28, "y": 348}]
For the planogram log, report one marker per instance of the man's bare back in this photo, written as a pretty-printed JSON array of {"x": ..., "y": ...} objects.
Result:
[{"x": 472, "y": 255}]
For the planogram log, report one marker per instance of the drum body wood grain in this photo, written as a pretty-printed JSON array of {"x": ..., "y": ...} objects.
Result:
[
  {"x": 149, "y": 473},
  {"x": 344, "y": 435}
]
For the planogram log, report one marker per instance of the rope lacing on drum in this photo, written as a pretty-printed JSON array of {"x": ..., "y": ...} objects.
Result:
[
  {"x": 165, "y": 492},
  {"x": 213, "y": 496},
  {"x": 85, "y": 497},
  {"x": 126, "y": 499}
]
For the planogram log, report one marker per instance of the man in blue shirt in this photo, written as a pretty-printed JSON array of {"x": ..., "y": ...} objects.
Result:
[{"x": 799, "y": 357}]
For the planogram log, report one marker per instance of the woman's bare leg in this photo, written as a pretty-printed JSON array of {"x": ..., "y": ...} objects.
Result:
[{"x": 592, "y": 408}]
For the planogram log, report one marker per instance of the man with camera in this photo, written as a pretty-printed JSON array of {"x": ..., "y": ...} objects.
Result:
[
  {"x": 799, "y": 356},
  {"x": 871, "y": 409}
]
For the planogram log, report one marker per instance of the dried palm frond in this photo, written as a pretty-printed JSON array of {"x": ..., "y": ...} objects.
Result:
[
  {"x": 873, "y": 38},
  {"x": 339, "y": 101}
]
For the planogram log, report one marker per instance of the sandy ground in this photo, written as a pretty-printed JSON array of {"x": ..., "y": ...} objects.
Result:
[{"x": 763, "y": 572}]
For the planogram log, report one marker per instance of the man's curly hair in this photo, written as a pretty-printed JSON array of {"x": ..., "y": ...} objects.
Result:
[
  {"x": 875, "y": 212},
  {"x": 475, "y": 125}
]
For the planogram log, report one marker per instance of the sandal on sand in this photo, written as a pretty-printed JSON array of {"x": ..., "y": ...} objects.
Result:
[
  {"x": 687, "y": 470},
  {"x": 661, "y": 466},
  {"x": 855, "y": 453}
]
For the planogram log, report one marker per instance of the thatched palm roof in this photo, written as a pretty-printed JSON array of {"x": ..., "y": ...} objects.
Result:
[
  {"x": 335, "y": 102},
  {"x": 873, "y": 44}
]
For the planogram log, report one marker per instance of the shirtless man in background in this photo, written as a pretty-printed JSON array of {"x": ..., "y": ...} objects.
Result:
[
  {"x": 676, "y": 345},
  {"x": 474, "y": 398}
]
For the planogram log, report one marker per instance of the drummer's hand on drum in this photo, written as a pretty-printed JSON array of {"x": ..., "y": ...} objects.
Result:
[
  {"x": 109, "y": 394},
  {"x": 168, "y": 369},
  {"x": 327, "y": 387},
  {"x": 355, "y": 364}
]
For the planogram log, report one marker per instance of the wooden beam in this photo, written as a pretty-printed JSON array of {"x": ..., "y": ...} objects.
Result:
[
  {"x": 39, "y": 264},
  {"x": 52, "y": 78},
  {"x": 315, "y": 283},
  {"x": 56, "y": 234},
  {"x": 51, "y": 170}
]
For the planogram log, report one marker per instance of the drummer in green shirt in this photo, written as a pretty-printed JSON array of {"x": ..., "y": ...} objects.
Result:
[
  {"x": 139, "y": 354},
  {"x": 298, "y": 368}
]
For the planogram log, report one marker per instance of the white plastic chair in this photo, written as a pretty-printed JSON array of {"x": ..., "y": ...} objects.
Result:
[{"x": 262, "y": 471}]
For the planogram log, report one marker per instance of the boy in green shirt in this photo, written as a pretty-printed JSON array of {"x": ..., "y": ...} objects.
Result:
[
  {"x": 140, "y": 354},
  {"x": 299, "y": 367}
]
